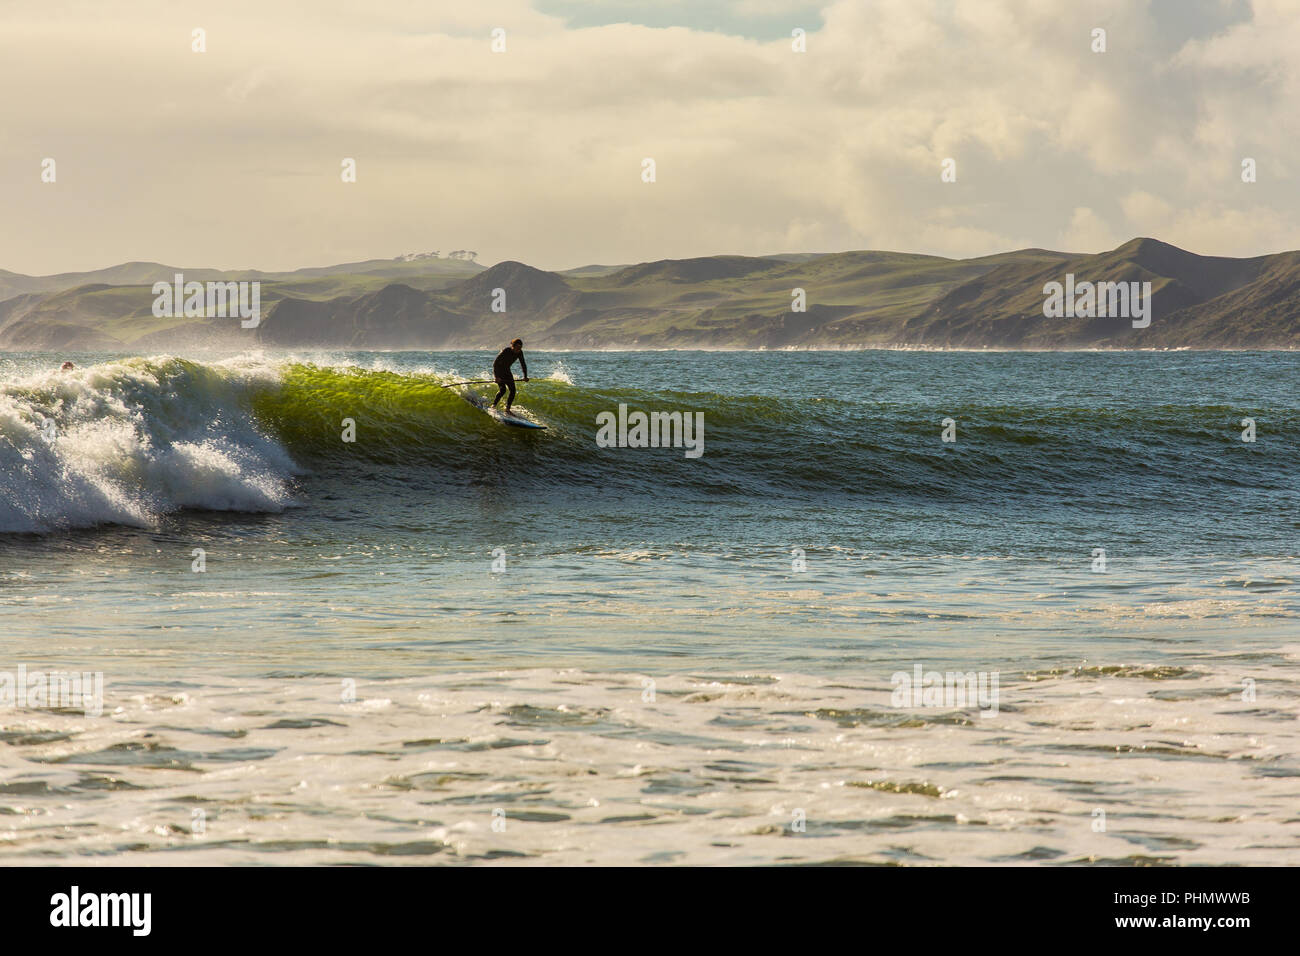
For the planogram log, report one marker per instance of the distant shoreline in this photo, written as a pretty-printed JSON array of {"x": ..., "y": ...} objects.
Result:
[
  {"x": 1024, "y": 300},
  {"x": 233, "y": 350}
]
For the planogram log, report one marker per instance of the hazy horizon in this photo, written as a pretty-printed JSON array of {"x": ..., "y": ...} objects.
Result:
[{"x": 592, "y": 265}]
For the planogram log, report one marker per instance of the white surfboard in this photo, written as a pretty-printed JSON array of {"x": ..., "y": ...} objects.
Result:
[{"x": 505, "y": 418}]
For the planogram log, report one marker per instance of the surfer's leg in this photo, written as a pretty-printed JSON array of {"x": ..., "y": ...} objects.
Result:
[
  {"x": 511, "y": 400},
  {"x": 501, "y": 390}
]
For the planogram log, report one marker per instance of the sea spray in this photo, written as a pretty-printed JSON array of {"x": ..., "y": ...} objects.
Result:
[{"x": 131, "y": 441}]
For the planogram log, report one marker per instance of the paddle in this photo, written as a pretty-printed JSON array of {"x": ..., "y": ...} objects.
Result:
[{"x": 482, "y": 381}]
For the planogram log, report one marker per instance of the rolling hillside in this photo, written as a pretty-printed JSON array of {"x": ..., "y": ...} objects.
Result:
[
  {"x": 1197, "y": 301},
  {"x": 853, "y": 299}
]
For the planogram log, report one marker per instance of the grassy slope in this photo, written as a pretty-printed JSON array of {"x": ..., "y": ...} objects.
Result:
[
  {"x": 864, "y": 298},
  {"x": 117, "y": 308},
  {"x": 1205, "y": 301},
  {"x": 854, "y": 299},
  {"x": 147, "y": 273}
]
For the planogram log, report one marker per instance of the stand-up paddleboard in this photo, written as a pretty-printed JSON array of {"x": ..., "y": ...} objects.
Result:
[
  {"x": 512, "y": 419},
  {"x": 503, "y": 417}
]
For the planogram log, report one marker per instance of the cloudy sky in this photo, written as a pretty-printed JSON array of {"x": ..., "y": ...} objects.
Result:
[{"x": 231, "y": 158}]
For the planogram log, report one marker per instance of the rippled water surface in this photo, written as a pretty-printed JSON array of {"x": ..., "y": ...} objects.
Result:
[{"x": 666, "y": 659}]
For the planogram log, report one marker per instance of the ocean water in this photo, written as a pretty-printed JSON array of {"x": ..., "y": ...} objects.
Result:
[{"x": 450, "y": 641}]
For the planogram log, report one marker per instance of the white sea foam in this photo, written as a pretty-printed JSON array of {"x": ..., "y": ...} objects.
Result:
[
  {"x": 126, "y": 442},
  {"x": 583, "y": 767},
  {"x": 560, "y": 373}
]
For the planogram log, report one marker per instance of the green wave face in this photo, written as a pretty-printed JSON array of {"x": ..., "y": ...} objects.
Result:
[
  {"x": 395, "y": 416},
  {"x": 756, "y": 445},
  {"x": 141, "y": 437}
]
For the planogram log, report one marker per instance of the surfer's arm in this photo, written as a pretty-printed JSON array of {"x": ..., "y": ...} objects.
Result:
[{"x": 523, "y": 366}]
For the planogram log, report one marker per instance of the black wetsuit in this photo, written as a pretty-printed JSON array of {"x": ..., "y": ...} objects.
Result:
[{"x": 504, "y": 377}]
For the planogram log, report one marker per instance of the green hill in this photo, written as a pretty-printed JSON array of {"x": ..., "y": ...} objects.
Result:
[
  {"x": 852, "y": 299},
  {"x": 1197, "y": 301}
]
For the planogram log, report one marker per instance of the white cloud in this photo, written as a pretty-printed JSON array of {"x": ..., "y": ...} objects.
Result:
[
  {"x": 231, "y": 158},
  {"x": 1088, "y": 232}
]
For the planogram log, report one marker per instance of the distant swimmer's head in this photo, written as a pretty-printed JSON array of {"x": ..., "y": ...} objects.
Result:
[
  {"x": 67, "y": 367},
  {"x": 517, "y": 345}
]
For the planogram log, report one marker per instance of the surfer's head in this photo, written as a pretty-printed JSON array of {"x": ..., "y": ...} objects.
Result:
[
  {"x": 517, "y": 345},
  {"x": 67, "y": 367}
]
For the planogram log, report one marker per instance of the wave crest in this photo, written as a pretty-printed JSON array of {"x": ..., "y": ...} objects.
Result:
[{"x": 126, "y": 442}]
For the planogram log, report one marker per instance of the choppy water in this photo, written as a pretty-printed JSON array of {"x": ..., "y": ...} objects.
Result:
[{"x": 367, "y": 567}]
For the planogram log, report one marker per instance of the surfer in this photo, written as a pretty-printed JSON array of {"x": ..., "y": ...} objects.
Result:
[
  {"x": 67, "y": 367},
  {"x": 505, "y": 379}
]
